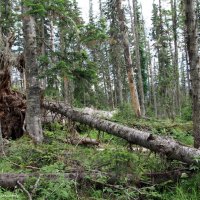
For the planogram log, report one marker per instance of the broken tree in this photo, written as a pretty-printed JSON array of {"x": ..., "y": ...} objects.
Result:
[
  {"x": 12, "y": 104},
  {"x": 163, "y": 145}
]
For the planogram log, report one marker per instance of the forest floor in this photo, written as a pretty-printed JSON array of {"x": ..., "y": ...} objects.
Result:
[{"x": 113, "y": 169}]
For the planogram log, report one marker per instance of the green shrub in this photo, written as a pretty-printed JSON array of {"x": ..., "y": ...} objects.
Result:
[
  {"x": 187, "y": 113},
  {"x": 125, "y": 113},
  {"x": 60, "y": 188}
]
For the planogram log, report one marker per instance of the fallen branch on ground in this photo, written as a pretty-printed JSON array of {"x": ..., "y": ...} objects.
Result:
[
  {"x": 11, "y": 180},
  {"x": 82, "y": 141}
]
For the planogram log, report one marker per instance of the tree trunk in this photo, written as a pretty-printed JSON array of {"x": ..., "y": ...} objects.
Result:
[
  {"x": 192, "y": 45},
  {"x": 1, "y": 140},
  {"x": 10, "y": 180},
  {"x": 187, "y": 64},
  {"x": 135, "y": 29},
  {"x": 115, "y": 56},
  {"x": 66, "y": 89},
  {"x": 128, "y": 59},
  {"x": 164, "y": 146},
  {"x": 33, "y": 91},
  {"x": 153, "y": 90},
  {"x": 175, "y": 57},
  {"x": 66, "y": 81}
]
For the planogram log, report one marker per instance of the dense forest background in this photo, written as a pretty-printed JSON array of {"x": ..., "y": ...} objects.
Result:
[{"x": 83, "y": 106}]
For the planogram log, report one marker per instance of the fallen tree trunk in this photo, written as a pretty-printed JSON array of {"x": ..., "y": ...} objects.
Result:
[
  {"x": 163, "y": 145},
  {"x": 12, "y": 103},
  {"x": 10, "y": 180},
  {"x": 82, "y": 141}
]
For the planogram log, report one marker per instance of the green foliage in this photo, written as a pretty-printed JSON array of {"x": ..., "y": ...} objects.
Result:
[
  {"x": 187, "y": 189},
  {"x": 186, "y": 113},
  {"x": 113, "y": 161},
  {"x": 93, "y": 34},
  {"x": 36, "y": 7},
  {"x": 61, "y": 189},
  {"x": 11, "y": 195},
  {"x": 182, "y": 136},
  {"x": 125, "y": 113}
]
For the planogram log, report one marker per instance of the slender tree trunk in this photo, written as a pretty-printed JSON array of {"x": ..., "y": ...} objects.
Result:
[
  {"x": 108, "y": 82},
  {"x": 192, "y": 44},
  {"x": 115, "y": 59},
  {"x": 128, "y": 59},
  {"x": 175, "y": 60},
  {"x": 135, "y": 29},
  {"x": 43, "y": 53},
  {"x": 1, "y": 140},
  {"x": 183, "y": 76},
  {"x": 153, "y": 91},
  {"x": 66, "y": 89},
  {"x": 66, "y": 82},
  {"x": 33, "y": 91},
  {"x": 187, "y": 66}
]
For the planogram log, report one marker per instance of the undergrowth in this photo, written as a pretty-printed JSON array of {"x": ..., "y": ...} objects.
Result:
[{"x": 112, "y": 170}]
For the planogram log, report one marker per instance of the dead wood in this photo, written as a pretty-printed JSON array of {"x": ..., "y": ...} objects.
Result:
[
  {"x": 82, "y": 141},
  {"x": 12, "y": 103},
  {"x": 165, "y": 146},
  {"x": 160, "y": 177},
  {"x": 10, "y": 180}
]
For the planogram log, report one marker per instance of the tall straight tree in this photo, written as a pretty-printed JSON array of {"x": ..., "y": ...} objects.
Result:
[
  {"x": 175, "y": 57},
  {"x": 192, "y": 45},
  {"x": 115, "y": 56},
  {"x": 135, "y": 28},
  {"x": 127, "y": 57},
  {"x": 33, "y": 90}
]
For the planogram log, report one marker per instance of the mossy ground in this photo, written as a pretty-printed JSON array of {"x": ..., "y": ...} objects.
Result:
[{"x": 113, "y": 157}]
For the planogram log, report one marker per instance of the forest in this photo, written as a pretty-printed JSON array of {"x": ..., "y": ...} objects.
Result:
[{"x": 102, "y": 107}]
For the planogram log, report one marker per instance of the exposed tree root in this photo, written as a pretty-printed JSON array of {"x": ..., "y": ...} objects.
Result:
[
  {"x": 12, "y": 103},
  {"x": 12, "y": 113}
]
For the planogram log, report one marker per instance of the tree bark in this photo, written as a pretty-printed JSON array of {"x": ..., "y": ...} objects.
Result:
[
  {"x": 192, "y": 45},
  {"x": 9, "y": 180},
  {"x": 1, "y": 140},
  {"x": 128, "y": 59},
  {"x": 153, "y": 89},
  {"x": 12, "y": 105},
  {"x": 115, "y": 56},
  {"x": 163, "y": 145},
  {"x": 135, "y": 29},
  {"x": 175, "y": 59},
  {"x": 33, "y": 91}
]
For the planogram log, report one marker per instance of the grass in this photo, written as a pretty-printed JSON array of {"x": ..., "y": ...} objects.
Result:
[{"x": 121, "y": 170}]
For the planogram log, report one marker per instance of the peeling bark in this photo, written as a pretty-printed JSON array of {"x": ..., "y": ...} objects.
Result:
[
  {"x": 128, "y": 59},
  {"x": 135, "y": 30}
]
